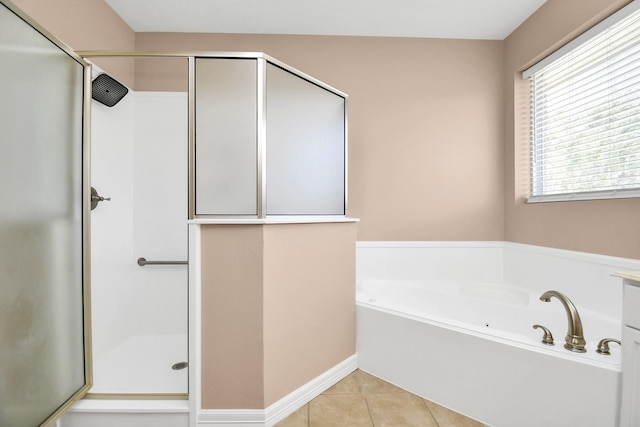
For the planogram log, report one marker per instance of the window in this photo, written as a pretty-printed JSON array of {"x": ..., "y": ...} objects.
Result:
[{"x": 585, "y": 114}]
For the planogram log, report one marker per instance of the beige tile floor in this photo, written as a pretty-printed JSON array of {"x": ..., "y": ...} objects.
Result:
[{"x": 363, "y": 400}]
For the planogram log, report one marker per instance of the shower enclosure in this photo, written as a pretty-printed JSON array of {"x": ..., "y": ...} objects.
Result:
[
  {"x": 164, "y": 160},
  {"x": 139, "y": 161},
  {"x": 138, "y": 326},
  {"x": 239, "y": 151}
]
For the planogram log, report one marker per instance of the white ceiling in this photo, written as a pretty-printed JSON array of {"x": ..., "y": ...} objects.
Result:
[{"x": 460, "y": 19}]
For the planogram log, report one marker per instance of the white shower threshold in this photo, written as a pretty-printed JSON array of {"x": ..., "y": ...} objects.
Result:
[{"x": 127, "y": 413}]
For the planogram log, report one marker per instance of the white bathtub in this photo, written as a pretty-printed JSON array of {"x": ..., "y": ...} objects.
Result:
[
  {"x": 495, "y": 311},
  {"x": 469, "y": 344}
]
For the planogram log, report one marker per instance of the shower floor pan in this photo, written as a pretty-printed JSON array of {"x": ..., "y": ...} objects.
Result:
[{"x": 143, "y": 364}]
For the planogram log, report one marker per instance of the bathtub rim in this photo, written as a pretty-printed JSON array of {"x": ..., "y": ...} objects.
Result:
[{"x": 614, "y": 366}]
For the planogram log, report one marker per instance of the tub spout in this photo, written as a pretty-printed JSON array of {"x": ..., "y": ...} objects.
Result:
[{"x": 574, "y": 341}]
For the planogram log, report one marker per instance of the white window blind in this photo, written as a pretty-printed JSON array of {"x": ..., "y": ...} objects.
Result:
[{"x": 585, "y": 115}]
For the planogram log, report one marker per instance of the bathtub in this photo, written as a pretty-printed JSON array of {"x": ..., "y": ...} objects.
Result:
[{"x": 470, "y": 345}]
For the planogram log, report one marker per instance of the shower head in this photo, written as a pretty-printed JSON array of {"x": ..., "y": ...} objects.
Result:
[{"x": 107, "y": 90}]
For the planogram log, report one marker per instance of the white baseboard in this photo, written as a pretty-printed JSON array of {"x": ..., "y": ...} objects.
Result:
[
  {"x": 297, "y": 399},
  {"x": 231, "y": 417},
  {"x": 282, "y": 408}
]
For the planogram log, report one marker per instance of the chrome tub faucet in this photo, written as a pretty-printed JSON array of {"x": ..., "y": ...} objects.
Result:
[{"x": 574, "y": 341}]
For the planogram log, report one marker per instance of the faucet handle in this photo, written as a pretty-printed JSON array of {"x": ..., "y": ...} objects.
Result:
[
  {"x": 603, "y": 345},
  {"x": 547, "y": 339}
]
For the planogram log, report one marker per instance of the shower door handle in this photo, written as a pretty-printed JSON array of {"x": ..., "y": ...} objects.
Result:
[{"x": 143, "y": 261}]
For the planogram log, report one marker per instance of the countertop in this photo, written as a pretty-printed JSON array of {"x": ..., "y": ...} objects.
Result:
[{"x": 630, "y": 275}]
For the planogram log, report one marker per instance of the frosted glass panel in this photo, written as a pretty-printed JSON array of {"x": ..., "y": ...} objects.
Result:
[
  {"x": 305, "y": 147},
  {"x": 226, "y": 147},
  {"x": 42, "y": 360}
]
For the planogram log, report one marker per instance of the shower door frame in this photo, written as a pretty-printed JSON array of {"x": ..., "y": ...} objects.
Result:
[
  {"x": 85, "y": 210},
  {"x": 262, "y": 60}
]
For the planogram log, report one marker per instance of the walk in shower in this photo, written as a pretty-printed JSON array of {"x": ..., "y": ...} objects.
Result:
[
  {"x": 202, "y": 137},
  {"x": 138, "y": 164},
  {"x": 139, "y": 161}
]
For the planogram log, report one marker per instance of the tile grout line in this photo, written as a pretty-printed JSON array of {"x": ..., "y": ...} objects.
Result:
[
  {"x": 429, "y": 411},
  {"x": 366, "y": 402},
  {"x": 364, "y": 396}
]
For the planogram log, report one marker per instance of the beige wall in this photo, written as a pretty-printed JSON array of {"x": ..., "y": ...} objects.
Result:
[
  {"x": 86, "y": 25},
  {"x": 309, "y": 303},
  {"x": 232, "y": 317},
  {"x": 425, "y": 116},
  {"x": 427, "y": 160},
  {"x": 605, "y": 227},
  {"x": 278, "y": 309},
  {"x": 425, "y": 124}
]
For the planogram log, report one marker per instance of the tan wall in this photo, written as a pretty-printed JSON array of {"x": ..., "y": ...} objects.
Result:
[
  {"x": 605, "y": 227},
  {"x": 86, "y": 25},
  {"x": 232, "y": 317},
  {"x": 309, "y": 303},
  {"x": 278, "y": 309},
  {"x": 425, "y": 125},
  {"x": 426, "y": 131}
]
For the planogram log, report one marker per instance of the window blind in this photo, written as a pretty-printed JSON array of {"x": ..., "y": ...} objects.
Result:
[{"x": 585, "y": 116}]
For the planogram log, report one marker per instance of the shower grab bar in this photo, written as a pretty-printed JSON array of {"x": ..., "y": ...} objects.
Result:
[{"x": 142, "y": 262}]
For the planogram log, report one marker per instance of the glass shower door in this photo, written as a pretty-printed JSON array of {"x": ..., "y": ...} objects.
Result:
[{"x": 43, "y": 226}]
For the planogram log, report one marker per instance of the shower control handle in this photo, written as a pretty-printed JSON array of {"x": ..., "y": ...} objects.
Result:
[{"x": 96, "y": 198}]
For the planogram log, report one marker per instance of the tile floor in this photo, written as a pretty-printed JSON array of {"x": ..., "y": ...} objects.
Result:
[{"x": 363, "y": 400}]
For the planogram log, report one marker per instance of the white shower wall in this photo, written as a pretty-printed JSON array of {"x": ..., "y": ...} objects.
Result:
[{"x": 139, "y": 159}]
